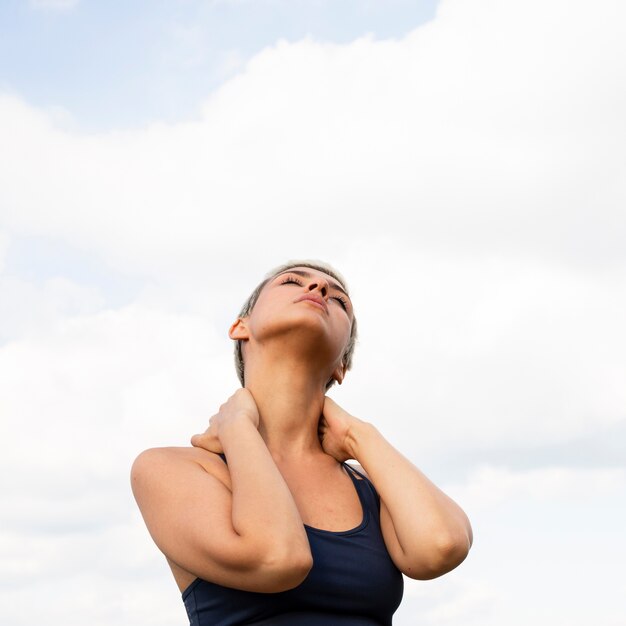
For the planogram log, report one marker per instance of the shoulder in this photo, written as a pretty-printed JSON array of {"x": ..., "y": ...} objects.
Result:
[
  {"x": 159, "y": 456},
  {"x": 159, "y": 463}
]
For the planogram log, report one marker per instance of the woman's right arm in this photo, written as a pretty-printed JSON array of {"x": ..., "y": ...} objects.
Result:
[{"x": 249, "y": 537}]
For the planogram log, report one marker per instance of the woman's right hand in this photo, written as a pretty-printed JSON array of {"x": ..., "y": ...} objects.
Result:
[
  {"x": 238, "y": 528},
  {"x": 240, "y": 405}
]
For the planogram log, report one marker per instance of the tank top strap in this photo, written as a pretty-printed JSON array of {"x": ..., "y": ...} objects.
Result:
[
  {"x": 353, "y": 470},
  {"x": 363, "y": 485}
]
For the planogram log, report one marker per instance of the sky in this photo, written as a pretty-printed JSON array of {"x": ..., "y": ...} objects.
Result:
[{"x": 460, "y": 162}]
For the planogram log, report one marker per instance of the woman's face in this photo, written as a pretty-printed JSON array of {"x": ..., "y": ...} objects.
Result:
[{"x": 308, "y": 301}]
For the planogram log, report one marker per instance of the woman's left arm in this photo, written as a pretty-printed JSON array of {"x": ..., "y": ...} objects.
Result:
[{"x": 426, "y": 533}]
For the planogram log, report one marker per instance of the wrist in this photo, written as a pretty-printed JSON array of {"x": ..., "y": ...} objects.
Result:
[
  {"x": 234, "y": 427},
  {"x": 358, "y": 436}
]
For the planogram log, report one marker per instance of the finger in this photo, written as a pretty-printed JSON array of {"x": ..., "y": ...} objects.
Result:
[
  {"x": 200, "y": 440},
  {"x": 207, "y": 443}
]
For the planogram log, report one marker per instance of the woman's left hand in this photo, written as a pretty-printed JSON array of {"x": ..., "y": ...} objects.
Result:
[{"x": 336, "y": 431}]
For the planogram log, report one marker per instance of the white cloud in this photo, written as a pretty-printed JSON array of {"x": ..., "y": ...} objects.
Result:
[
  {"x": 134, "y": 370},
  {"x": 489, "y": 487},
  {"x": 24, "y": 306},
  {"x": 463, "y": 132},
  {"x": 451, "y": 601},
  {"x": 484, "y": 352},
  {"x": 112, "y": 575},
  {"x": 4, "y": 244}
]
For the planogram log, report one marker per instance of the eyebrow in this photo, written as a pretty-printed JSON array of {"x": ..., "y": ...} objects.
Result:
[{"x": 304, "y": 274}]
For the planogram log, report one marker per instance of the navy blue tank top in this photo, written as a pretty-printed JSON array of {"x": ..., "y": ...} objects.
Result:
[{"x": 353, "y": 581}]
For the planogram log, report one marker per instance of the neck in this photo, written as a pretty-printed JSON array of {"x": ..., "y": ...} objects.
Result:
[{"x": 290, "y": 396}]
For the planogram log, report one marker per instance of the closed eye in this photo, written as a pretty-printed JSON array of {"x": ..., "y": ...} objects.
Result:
[
  {"x": 292, "y": 280},
  {"x": 342, "y": 301}
]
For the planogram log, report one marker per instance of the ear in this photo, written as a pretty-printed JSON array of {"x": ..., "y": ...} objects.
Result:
[
  {"x": 339, "y": 373},
  {"x": 238, "y": 329}
]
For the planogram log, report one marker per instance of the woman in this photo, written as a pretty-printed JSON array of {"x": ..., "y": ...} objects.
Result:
[{"x": 262, "y": 521}]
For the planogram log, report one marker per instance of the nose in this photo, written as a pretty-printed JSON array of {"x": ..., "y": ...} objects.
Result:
[{"x": 319, "y": 284}]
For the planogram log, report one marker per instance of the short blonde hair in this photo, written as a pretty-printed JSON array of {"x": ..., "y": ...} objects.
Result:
[{"x": 248, "y": 305}]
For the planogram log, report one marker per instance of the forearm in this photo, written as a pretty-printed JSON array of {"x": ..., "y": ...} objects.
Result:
[
  {"x": 425, "y": 520},
  {"x": 263, "y": 509}
]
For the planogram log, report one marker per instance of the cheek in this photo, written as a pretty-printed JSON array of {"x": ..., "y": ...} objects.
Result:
[
  {"x": 269, "y": 315},
  {"x": 263, "y": 310},
  {"x": 344, "y": 334}
]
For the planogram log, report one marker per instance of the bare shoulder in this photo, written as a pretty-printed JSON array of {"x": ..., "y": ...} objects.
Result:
[{"x": 160, "y": 463}]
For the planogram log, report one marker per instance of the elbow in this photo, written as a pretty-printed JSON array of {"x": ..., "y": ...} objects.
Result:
[
  {"x": 266, "y": 569},
  {"x": 456, "y": 550},
  {"x": 285, "y": 569},
  {"x": 451, "y": 552},
  {"x": 444, "y": 556},
  {"x": 454, "y": 546}
]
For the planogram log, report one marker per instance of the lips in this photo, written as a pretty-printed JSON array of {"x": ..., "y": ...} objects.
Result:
[{"x": 315, "y": 299}]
